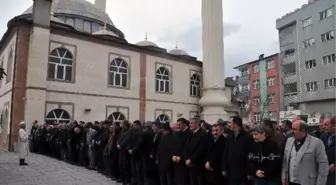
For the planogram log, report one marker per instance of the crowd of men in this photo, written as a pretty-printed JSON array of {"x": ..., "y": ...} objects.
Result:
[{"x": 194, "y": 152}]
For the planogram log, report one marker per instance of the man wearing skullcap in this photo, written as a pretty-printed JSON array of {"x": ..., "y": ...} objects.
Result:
[{"x": 23, "y": 144}]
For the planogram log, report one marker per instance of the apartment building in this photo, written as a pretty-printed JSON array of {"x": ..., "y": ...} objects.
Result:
[
  {"x": 307, "y": 58},
  {"x": 259, "y": 83}
]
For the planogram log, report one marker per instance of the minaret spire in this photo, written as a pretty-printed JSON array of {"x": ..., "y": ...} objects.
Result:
[
  {"x": 176, "y": 45},
  {"x": 214, "y": 99},
  {"x": 101, "y": 4},
  {"x": 146, "y": 36}
]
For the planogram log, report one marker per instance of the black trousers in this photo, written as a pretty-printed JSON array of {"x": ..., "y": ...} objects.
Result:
[
  {"x": 124, "y": 166},
  {"x": 215, "y": 178},
  {"x": 136, "y": 169},
  {"x": 238, "y": 182},
  {"x": 196, "y": 176},
  {"x": 100, "y": 157},
  {"x": 181, "y": 175},
  {"x": 82, "y": 156},
  {"x": 166, "y": 178},
  {"x": 74, "y": 154},
  {"x": 115, "y": 172}
]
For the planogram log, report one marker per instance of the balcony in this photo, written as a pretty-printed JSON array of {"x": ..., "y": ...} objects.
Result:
[
  {"x": 290, "y": 78},
  {"x": 290, "y": 39},
  {"x": 291, "y": 98},
  {"x": 287, "y": 59},
  {"x": 243, "y": 79}
]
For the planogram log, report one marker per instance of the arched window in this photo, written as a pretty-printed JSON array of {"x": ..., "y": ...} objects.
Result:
[
  {"x": 57, "y": 116},
  {"x": 118, "y": 72},
  {"x": 163, "y": 118},
  {"x": 195, "y": 85},
  {"x": 9, "y": 66},
  {"x": 162, "y": 80},
  {"x": 116, "y": 117},
  {"x": 60, "y": 64}
]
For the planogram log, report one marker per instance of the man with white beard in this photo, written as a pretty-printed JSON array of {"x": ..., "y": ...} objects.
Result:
[{"x": 23, "y": 144}]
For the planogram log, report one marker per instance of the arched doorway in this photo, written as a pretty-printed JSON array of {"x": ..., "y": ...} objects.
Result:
[{"x": 57, "y": 116}]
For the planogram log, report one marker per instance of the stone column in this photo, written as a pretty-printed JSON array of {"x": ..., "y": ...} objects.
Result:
[
  {"x": 101, "y": 4},
  {"x": 214, "y": 98}
]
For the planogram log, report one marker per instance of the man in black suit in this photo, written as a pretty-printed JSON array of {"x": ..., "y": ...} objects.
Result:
[
  {"x": 181, "y": 176},
  {"x": 195, "y": 152},
  {"x": 134, "y": 149},
  {"x": 234, "y": 163},
  {"x": 329, "y": 142},
  {"x": 214, "y": 156},
  {"x": 164, "y": 156}
]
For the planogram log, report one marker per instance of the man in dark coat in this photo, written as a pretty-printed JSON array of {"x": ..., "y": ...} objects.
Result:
[
  {"x": 114, "y": 155},
  {"x": 195, "y": 152},
  {"x": 153, "y": 175},
  {"x": 101, "y": 142},
  {"x": 181, "y": 176},
  {"x": 33, "y": 147},
  {"x": 134, "y": 150},
  {"x": 75, "y": 139},
  {"x": 124, "y": 158},
  {"x": 264, "y": 162},
  {"x": 329, "y": 142},
  {"x": 146, "y": 149},
  {"x": 214, "y": 157},
  {"x": 164, "y": 156},
  {"x": 234, "y": 163}
]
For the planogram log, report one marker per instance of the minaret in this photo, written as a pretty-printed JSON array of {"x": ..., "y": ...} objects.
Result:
[
  {"x": 101, "y": 4},
  {"x": 214, "y": 98}
]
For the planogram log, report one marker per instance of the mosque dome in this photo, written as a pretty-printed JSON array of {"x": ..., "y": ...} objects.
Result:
[
  {"x": 147, "y": 43},
  {"x": 82, "y": 15},
  {"x": 178, "y": 51}
]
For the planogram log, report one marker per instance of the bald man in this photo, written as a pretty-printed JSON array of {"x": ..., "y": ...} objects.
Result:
[{"x": 305, "y": 161}]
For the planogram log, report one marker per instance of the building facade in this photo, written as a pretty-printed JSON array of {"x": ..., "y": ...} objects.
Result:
[
  {"x": 74, "y": 64},
  {"x": 259, "y": 83},
  {"x": 307, "y": 58}
]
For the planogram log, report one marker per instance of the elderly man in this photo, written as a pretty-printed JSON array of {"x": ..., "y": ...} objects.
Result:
[
  {"x": 23, "y": 144},
  {"x": 305, "y": 161}
]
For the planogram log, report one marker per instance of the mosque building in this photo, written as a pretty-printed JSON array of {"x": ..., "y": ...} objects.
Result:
[{"x": 66, "y": 60}]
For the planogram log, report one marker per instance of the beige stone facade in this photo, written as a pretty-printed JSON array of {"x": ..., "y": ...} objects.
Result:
[{"x": 59, "y": 74}]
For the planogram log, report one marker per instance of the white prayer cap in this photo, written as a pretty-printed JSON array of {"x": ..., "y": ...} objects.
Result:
[{"x": 22, "y": 123}]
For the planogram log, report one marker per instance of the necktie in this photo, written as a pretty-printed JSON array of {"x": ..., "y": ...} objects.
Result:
[
  {"x": 154, "y": 138},
  {"x": 329, "y": 140}
]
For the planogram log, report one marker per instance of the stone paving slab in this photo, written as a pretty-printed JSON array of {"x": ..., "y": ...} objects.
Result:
[{"x": 43, "y": 170}]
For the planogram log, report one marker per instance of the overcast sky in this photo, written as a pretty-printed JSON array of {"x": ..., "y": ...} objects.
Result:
[{"x": 249, "y": 24}]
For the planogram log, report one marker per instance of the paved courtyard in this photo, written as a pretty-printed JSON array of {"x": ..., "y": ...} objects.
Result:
[{"x": 45, "y": 171}]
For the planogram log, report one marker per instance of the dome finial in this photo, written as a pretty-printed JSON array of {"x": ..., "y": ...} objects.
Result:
[
  {"x": 105, "y": 26},
  {"x": 52, "y": 13},
  {"x": 146, "y": 36},
  {"x": 176, "y": 45}
]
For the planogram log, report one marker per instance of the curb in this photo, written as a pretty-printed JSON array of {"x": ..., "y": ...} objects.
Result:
[{"x": 4, "y": 150}]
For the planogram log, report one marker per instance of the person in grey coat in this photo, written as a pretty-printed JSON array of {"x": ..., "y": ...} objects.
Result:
[
  {"x": 305, "y": 161},
  {"x": 90, "y": 135}
]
